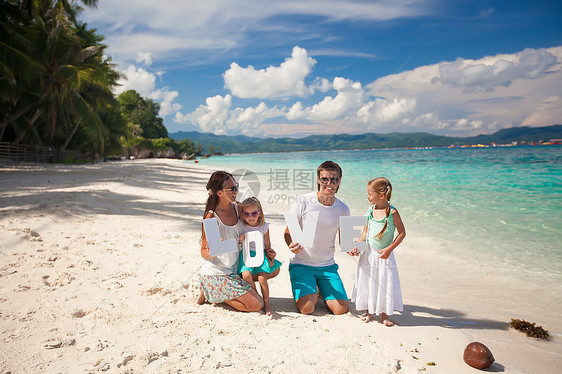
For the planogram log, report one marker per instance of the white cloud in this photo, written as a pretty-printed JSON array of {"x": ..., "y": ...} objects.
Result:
[
  {"x": 466, "y": 124},
  {"x": 545, "y": 111},
  {"x": 137, "y": 79},
  {"x": 217, "y": 117},
  {"x": 166, "y": 99},
  {"x": 437, "y": 98},
  {"x": 488, "y": 73},
  {"x": 172, "y": 26},
  {"x": 273, "y": 82},
  {"x": 251, "y": 120},
  {"x": 468, "y": 97},
  {"x": 462, "y": 97},
  {"x": 350, "y": 97},
  {"x": 210, "y": 117},
  {"x": 381, "y": 112},
  {"x": 144, "y": 57},
  {"x": 354, "y": 105},
  {"x": 321, "y": 85}
]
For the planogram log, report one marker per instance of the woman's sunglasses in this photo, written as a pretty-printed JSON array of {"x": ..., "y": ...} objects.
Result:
[
  {"x": 252, "y": 214},
  {"x": 232, "y": 189},
  {"x": 330, "y": 180}
]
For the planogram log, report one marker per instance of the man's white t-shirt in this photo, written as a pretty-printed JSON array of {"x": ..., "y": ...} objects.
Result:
[{"x": 322, "y": 251}]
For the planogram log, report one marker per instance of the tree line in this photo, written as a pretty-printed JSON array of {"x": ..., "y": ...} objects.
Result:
[{"x": 56, "y": 86}]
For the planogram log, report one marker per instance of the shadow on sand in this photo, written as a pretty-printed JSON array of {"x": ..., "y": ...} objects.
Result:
[{"x": 415, "y": 315}]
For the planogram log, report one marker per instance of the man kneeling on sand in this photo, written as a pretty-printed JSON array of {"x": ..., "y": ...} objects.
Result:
[{"x": 313, "y": 270}]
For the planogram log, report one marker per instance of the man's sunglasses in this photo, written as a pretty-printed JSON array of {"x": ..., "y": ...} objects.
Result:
[
  {"x": 232, "y": 189},
  {"x": 330, "y": 180},
  {"x": 252, "y": 214}
]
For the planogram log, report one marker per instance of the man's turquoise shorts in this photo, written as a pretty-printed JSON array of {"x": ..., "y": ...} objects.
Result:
[{"x": 305, "y": 280}]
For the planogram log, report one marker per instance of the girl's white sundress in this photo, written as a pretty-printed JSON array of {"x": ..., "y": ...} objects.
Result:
[{"x": 377, "y": 286}]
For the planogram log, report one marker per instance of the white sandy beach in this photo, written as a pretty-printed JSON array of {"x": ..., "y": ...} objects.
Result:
[{"x": 99, "y": 267}]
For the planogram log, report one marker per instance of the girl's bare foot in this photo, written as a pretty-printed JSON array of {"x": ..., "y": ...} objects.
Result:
[
  {"x": 386, "y": 321},
  {"x": 267, "y": 310},
  {"x": 366, "y": 317},
  {"x": 201, "y": 298}
]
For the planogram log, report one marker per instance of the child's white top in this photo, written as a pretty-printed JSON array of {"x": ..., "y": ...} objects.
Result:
[{"x": 261, "y": 228}]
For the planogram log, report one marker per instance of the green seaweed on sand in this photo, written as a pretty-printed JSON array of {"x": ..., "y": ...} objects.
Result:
[{"x": 529, "y": 329}]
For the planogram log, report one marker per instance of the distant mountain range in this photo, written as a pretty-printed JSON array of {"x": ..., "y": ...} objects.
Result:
[{"x": 246, "y": 144}]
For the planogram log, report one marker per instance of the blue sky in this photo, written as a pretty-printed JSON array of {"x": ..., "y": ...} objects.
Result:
[{"x": 296, "y": 68}]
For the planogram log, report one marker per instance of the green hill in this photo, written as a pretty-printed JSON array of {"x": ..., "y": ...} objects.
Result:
[{"x": 246, "y": 144}]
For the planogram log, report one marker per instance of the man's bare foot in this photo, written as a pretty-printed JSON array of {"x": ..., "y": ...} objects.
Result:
[
  {"x": 201, "y": 298},
  {"x": 366, "y": 317},
  {"x": 386, "y": 321}
]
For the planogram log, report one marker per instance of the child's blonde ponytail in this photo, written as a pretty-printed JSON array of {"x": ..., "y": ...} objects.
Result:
[{"x": 382, "y": 185}]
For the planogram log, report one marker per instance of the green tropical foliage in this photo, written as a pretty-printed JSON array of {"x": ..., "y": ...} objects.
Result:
[
  {"x": 185, "y": 146},
  {"x": 143, "y": 113},
  {"x": 146, "y": 129},
  {"x": 55, "y": 83}
]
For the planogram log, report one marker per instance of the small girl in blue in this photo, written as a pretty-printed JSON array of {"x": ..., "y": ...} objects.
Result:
[
  {"x": 377, "y": 286},
  {"x": 252, "y": 217}
]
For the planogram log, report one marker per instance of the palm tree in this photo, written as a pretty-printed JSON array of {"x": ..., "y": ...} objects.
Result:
[{"x": 54, "y": 81}]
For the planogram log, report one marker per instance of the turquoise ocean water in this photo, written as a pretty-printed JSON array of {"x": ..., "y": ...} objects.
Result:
[{"x": 499, "y": 209}]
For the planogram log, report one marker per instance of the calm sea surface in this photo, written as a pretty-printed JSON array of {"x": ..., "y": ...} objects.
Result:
[{"x": 498, "y": 208}]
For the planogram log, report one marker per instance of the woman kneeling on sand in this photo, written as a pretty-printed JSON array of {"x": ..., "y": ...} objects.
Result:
[{"x": 219, "y": 281}]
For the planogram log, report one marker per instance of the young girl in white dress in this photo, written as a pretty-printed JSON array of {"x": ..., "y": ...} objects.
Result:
[
  {"x": 377, "y": 286},
  {"x": 251, "y": 214}
]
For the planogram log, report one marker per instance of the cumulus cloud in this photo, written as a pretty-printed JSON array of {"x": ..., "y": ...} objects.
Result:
[
  {"x": 545, "y": 111},
  {"x": 492, "y": 72},
  {"x": 218, "y": 117},
  {"x": 381, "y": 112},
  {"x": 320, "y": 85},
  {"x": 462, "y": 97},
  {"x": 468, "y": 97},
  {"x": 166, "y": 99},
  {"x": 283, "y": 81},
  {"x": 432, "y": 120},
  {"x": 144, "y": 57},
  {"x": 354, "y": 105},
  {"x": 137, "y": 79},
  {"x": 350, "y": 97},
  {"x": 210, "y": 117},
  {"x": 251, "y": 121}
]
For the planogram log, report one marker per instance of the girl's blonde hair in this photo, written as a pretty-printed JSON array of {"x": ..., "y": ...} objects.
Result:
[
  {"x": 382, "y": 185},
  {"x": 249, "y": 202}
]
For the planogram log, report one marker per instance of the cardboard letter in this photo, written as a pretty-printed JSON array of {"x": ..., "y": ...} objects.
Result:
[
  {"x": 348, "y": 233},
  {"x": 213, "y": 236},
  {"x": 255, "y": 238},
  {"x": 304, "y": 237}
]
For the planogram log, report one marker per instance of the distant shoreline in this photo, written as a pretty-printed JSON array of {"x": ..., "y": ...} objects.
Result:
[
  {"x": 241, "y": 144},
  {"x": 391, "y": 149}
]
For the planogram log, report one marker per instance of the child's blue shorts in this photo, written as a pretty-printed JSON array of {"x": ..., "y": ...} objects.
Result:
[{"x": 305, "y": 279}]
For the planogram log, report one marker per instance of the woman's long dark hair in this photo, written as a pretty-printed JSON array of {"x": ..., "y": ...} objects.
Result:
[{"x": 214, "y": 185}]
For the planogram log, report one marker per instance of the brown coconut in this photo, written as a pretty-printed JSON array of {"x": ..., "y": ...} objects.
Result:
[{"x": 478, "y": 356}]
